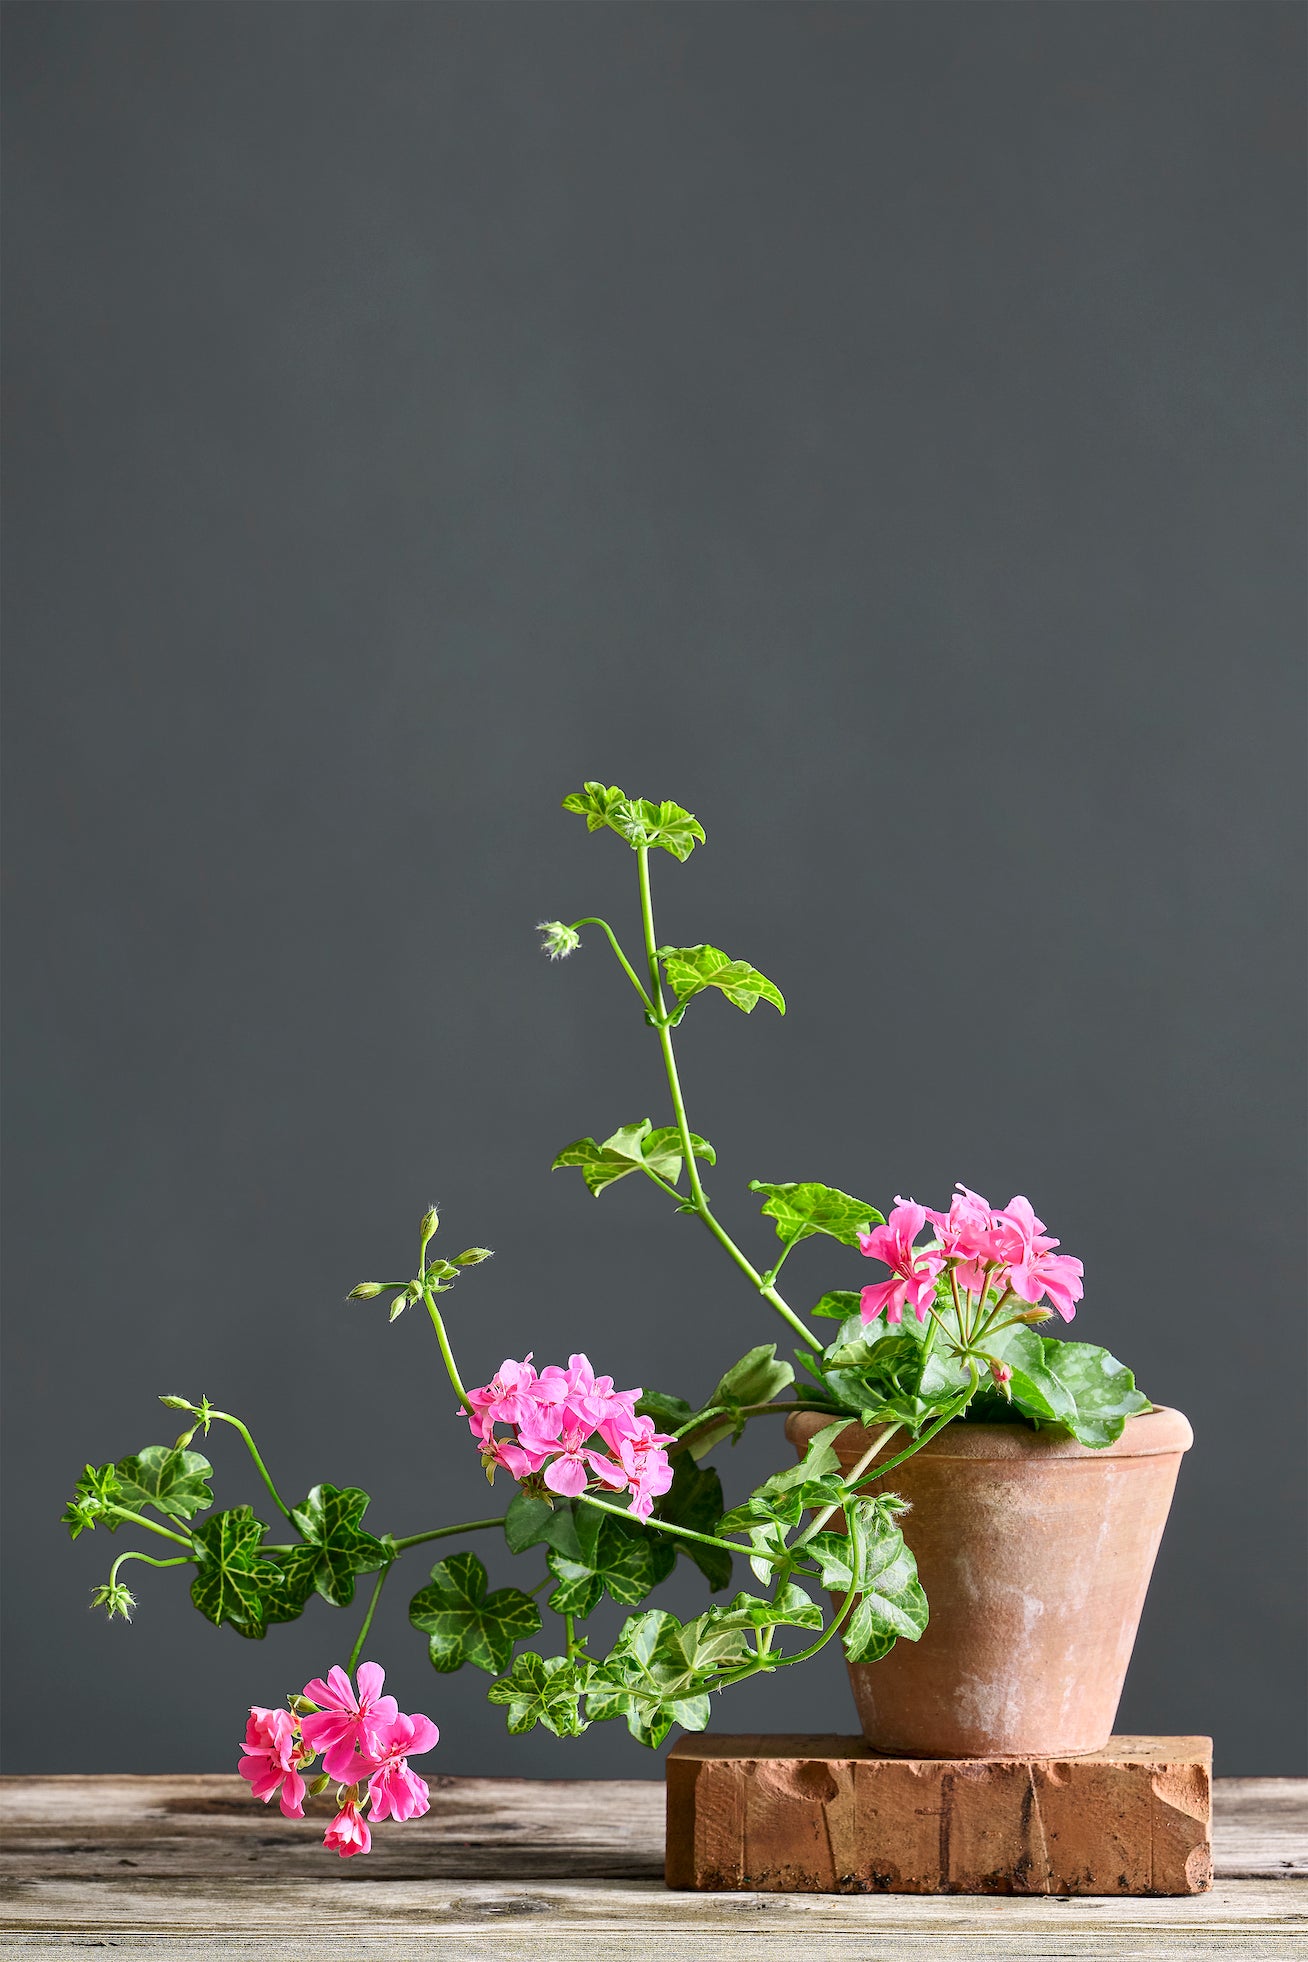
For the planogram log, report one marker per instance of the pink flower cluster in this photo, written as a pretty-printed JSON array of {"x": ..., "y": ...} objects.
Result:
[
  {"x": 558, "y": 1420},
  {"x": 1006, "y": 1251},
  {"x": 365, "y": 1741}
]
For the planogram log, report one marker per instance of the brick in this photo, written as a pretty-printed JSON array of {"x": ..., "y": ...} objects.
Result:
[{"x": 826, "y": 1815}]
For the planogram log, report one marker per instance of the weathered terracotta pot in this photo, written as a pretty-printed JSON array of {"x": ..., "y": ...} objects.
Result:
[{"x": 1035, "y": 1554}]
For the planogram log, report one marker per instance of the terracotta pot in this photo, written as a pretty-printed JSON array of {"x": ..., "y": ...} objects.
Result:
[{"x": 1035, "y": 1554}]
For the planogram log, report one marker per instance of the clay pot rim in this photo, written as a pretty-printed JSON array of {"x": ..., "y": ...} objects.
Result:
[{"x": 1159, "y": 1432}]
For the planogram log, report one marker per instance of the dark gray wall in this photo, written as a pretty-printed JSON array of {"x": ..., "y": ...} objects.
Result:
[{"x": 874, "y": 426}]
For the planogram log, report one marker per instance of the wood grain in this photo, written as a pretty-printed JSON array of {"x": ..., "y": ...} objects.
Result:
[{"x": 189, "y": 1869}]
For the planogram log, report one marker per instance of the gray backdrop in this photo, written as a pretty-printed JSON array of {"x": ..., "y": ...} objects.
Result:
[{"x": 874, "y": 426}]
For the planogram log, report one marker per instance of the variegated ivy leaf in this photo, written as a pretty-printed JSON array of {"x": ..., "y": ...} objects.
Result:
[
  {"x": 799, "y": 1210},
  {"x": 631, "y": 1148},
  {"x": 336, "y": 1548},
  {"x": 170, "y": 1480},
  {"x": 659, "y": 1672},
  {"x": 616, "y": 1556},
  {"x": 891, "y": 1602},
  {"x": 543, "y": 1690},
  {"x": 839, "y": 1305},
  {"x": 791, "y": 1608},
  {"x": 464, "y": 1622},
  {"x": 785, "y": 1506},
  {"x": 530, "y": 1522},
  {"x": 692, "y": 969},
  {"x": 232, "y": 1582}
]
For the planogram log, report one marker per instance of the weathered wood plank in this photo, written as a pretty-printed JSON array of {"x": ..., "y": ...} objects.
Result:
[
  {"x": 190, "y": 1826},
  {"x": 196, "y": 1908},
  {"x": 205, "y": 1827},
  {"x": 188, "y": 1869},
  {"x": 1260, "y": 1828}
]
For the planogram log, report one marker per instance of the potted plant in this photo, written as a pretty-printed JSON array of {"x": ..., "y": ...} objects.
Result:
[{"x": 1037, "y": 1475}]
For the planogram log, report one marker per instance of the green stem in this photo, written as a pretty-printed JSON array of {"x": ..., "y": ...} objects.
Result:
[
  {"x": 851, "y": 1480},
  {"x": 698, "y": 1199},
  {"x": 445, "y": 1532},
  {"x": 179, "y": 1560},
  {"x": 362, "y": 1636},
  {"x": 447, "y": 1353},
  {"x": 682, "y": 1532},
  {"x": 224, "y": 1417},
  {"x": 627, "y": 968},
  {"x": 569, "y": 1633},
  {"x": 138, "y": 1519}
]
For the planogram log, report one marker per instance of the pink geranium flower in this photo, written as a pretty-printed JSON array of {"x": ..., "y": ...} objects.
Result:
[
  {"x": 569, "y": 1460},
  {"x": 1035, "y": 1269},
  {"x": 394, "y": 1791},
  {"x": 506, "y": 1399},
  {"x": 348, "y": 1832},
  {"x": 271, "y": 1759},
  {"x": 645, "y": 1462},
  {"x": 913, "y": 1269},
  {"x": 345, "y": 1722},
  {"x": 973, "y": 1235}
]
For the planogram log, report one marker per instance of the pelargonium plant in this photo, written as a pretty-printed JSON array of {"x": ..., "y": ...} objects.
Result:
[{"x": 609, "y": 1486}]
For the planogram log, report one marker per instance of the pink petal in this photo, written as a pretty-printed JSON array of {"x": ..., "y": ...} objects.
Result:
[
  {"x": 566, "y": 1476},
  {"x": 881, "y": 1294},
  {"x": 425, "y": 1735},
  {"x": 292, "y": 1799},
  {"x": 370, "y": 1677}
]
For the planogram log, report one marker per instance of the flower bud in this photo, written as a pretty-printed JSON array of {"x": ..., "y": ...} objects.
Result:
[
  {"x": 430, "y": 1221},
  {"x": 559, "y": 940},
  {"x": 114, "y": 1597},
  {"x": 398, "y": 1306},
  {"x": 319, "y": 1784},
  {"x": 1036, "y": 1315},
  {"x": 300, "y": 1706},
  {"x": 471, "y": 1256},
  {"x": 1002, "y": 1377},
  {"x": 365, "y": 1291},
  {"x": 177, "y": 1403}
]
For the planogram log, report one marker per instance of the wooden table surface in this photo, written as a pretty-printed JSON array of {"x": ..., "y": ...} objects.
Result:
[{"x": 539, "y": 1869}]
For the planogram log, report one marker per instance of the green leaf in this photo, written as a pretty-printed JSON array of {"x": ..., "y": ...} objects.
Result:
[
  {"x": 232, "y": 1583},
  {"x": 532, "y": 1522},
  {"x": 891, "y": 1601},
  {"x": 665, "y": 825},
  {"x": 803, "y": 1209},
  {"x": 170, "y": 1480},
  {"x": 95, "y": 1491},
  {"x": 630, "y": 1149},
  {"x": 839, "y": 1305},
  {"x": 791, "y": 1608},
  {"x": 545, "y": 1691},
  {"x": 694, "y": 1500},
  {"x": 887, "y": 1375},
  {"x": 329, "y": 1519},
  {"x": 1075, "y": 1384},
  {"x": 617, "y": 1556},
  {"x": 464, "y": 1622},
  {"x": 658, "y": 1672},
  {"x": 636, "y": 819},
  {"x": 669, "y": 1413},
  {"x": 692, "y": 969},
  {"x": 598, "y": 804},
  {"x": 757, "y": 1378},
  {"x": 785, "y": 1505},
  {"x": 834, "y": 1559}
]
